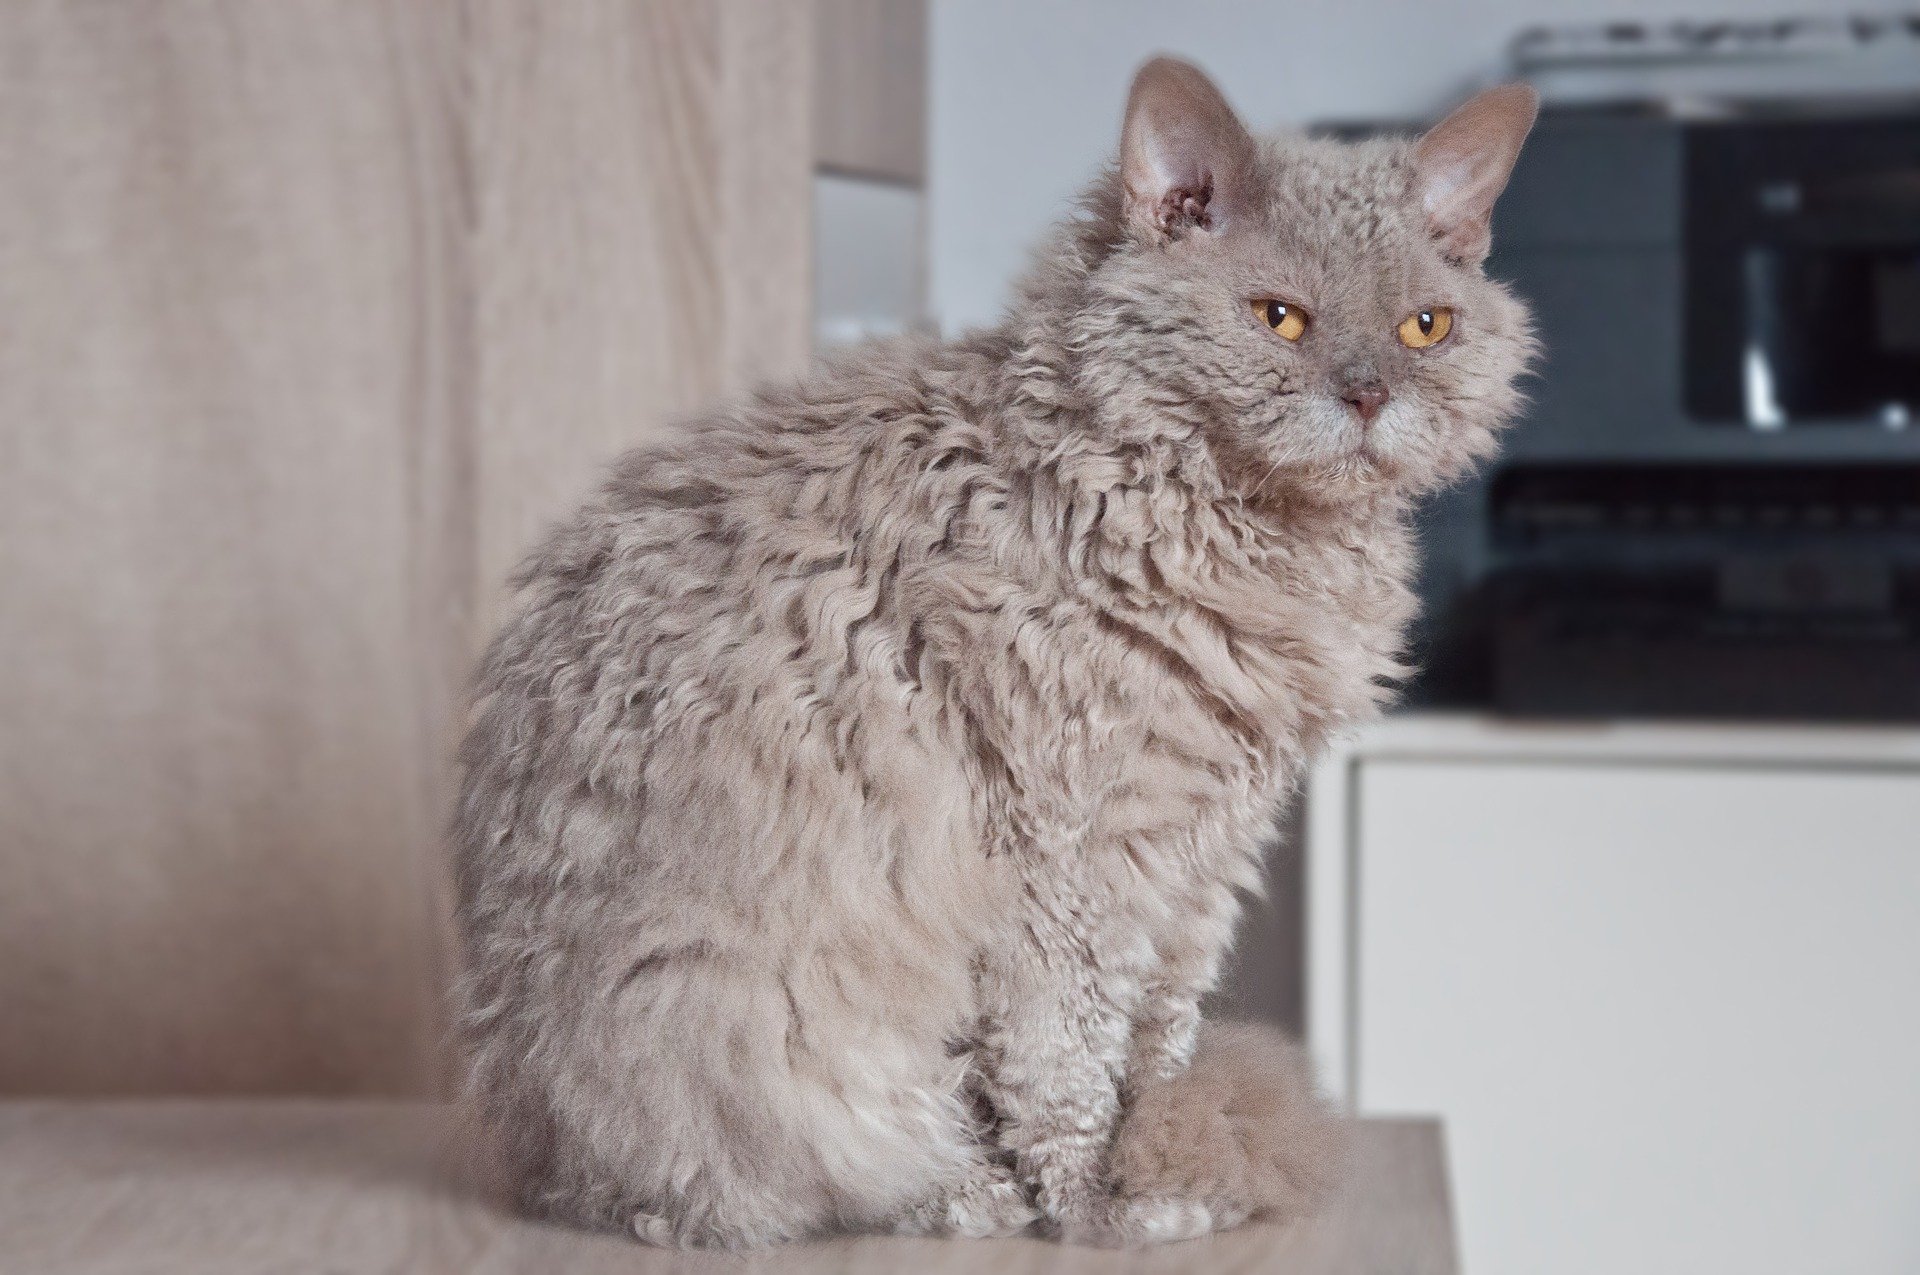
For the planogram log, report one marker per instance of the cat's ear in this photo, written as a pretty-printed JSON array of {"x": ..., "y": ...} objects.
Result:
[
  {"x": 1186, "y": 160},
  {"x": 1464, "y": 162}
]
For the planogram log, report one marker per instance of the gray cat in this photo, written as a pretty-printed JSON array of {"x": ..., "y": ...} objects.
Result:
[{"x": 856, "y": 807}]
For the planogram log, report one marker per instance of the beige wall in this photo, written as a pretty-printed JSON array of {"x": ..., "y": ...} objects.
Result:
[{"x": 311, "y": 313}]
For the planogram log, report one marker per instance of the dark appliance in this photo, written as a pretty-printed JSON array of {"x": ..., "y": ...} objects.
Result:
[
  {"x": 1802, "y": 272},
  {"x": 1762, "y": 590},
  {"x": 1712, "y": 507}
]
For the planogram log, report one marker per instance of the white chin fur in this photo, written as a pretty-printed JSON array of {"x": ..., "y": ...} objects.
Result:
[
  {"x": 1319, "y": 429},
  {"x": 1391, "y": 431}
]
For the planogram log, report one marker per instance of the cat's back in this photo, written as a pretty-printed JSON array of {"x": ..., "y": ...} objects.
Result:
[
  {"x": 799, "y": 473},
  {"x": 702, "y": 791},
  {"x": 727, "y": 617},
  {"x": 796, "y": 479}
]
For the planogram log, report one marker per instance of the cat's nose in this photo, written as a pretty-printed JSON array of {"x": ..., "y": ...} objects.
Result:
[{"x": 1366, "y": 398}]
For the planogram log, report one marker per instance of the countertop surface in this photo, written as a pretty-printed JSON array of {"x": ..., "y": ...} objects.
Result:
[
  {"x": 1443, "y": 736},
  {"x": 212, "y": 1186}
]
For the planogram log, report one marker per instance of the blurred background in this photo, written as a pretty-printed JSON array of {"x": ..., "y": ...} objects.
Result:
[{"x": 312, "y": 314}]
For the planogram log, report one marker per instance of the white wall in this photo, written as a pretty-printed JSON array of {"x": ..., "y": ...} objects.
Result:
[
  {"x": 1026, "y": 94},
  {"x": 869, "y": 278}
]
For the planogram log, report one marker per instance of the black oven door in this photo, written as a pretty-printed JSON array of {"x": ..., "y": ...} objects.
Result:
[{"x": 1803, "y": 273}]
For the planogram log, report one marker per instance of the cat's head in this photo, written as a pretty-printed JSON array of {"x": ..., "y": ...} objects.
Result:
[{"x": 1315, "y": 309}]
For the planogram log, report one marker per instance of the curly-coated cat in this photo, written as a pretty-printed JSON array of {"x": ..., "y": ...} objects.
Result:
[{"x": 858, "y": 803}]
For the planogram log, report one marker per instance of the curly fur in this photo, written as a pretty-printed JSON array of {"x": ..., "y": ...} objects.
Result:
[
  {"x": 1242, "y": 1131},
  {"x": 855, "y": 808}
]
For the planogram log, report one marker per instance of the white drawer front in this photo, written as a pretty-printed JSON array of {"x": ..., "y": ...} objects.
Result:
[{"x": 1671, "y": 1016}]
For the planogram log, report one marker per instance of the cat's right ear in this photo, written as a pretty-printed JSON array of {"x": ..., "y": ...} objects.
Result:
[
  {"x": 1463, "y": 165},
  {"x": 1186, "y": 160}
]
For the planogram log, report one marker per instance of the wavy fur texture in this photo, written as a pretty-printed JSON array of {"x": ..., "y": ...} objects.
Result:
[
  {"x": 856, "y": 807},
  {"x": 1243, "y": 1131}
]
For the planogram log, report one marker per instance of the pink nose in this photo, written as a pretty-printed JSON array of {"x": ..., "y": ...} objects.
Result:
[{"x": 1366, "y": 399}]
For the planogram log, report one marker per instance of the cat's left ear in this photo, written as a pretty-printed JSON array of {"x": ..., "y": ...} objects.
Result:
[
  {"x": 1186, "y": 160},
  {"x": 1464, "y": 162}
]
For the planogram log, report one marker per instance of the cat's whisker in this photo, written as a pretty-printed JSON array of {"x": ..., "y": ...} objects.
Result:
[{"x": 1260, "y": 488}]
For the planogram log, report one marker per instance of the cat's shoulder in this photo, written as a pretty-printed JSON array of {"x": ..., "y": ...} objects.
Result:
[{"x": 883, "y": 398}]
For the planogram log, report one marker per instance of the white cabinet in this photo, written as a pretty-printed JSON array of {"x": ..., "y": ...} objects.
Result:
[{"x": 1662, "y": 984}]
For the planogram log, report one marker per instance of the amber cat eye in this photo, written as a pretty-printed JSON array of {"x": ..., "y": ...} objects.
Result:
[
  {"x": 1425, "y": 327},
  {"x": 1288, "y": 320}
]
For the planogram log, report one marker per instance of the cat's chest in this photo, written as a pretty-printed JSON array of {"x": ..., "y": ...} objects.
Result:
[
  {"x": 1274, "y": 658},
  {"x": 1186, "y": 790},
  {"x": 1149, "y": 714}
]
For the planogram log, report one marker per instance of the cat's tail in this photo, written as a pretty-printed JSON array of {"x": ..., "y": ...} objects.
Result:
[{"x": 1243, "y": 1130}]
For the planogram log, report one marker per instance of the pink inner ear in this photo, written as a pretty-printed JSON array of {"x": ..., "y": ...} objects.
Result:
[
  {"x": 1464, "y": 163},
  {"x": 1459, "y": 208},
  {"x": 1450, "y": 192},
  {"x": 1182, "y": 149},
  {"x": 1180, "y": 193},
  {"x": 1180, "y": 207}
]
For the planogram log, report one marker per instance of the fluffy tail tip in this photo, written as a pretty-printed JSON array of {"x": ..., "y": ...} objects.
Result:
[{"x": 1244, "y": 1129}]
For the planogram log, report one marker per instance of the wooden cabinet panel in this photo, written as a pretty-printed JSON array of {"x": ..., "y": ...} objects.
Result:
[
  {"x": 871, "y": 109},
  {"x": 311, "y": 314},
  {"x": 643, "y": 237}
]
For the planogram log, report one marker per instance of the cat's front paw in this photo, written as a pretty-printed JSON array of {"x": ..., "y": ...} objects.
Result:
[
  {"x": 992, "y": 1211},
  {"x": 1137, "y": 1222},
  {"x": 989, "y": 1205}
]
